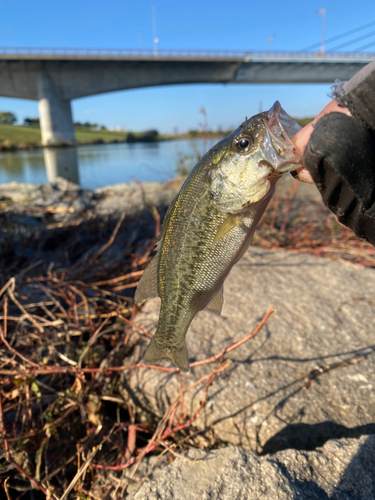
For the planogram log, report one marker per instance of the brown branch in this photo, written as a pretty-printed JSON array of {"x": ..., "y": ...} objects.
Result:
[
  {"x": 10, "y": 459},
  {"x": 5, "y": 342},
  {"x": 237, "y": 344},
  {"x": 317, "y": 372},
  {"x": 21, "y": 308},
  {"x": 134, "y": 274},
  {"x": 75, "y": 370},
  {"x": 111, "y": 239},
  {"x": 80, "y": 472},
  {"x": 148, "y": 334}
]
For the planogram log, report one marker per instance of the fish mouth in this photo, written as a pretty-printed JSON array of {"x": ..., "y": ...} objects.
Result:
[{"x": 277, "y": 145}]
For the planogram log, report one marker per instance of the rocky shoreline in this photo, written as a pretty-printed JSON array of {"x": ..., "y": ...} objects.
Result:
[
  {"x": 67, "y": 198},
  {"x": 290, "y": 415}
]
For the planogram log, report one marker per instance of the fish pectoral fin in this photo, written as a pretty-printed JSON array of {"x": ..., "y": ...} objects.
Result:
[
  {"x": 148, "y": 285},
  {"x": 156, "y": 353},
  {"x": 230, "y": 222},
  {"x": 216, "y": 303}
]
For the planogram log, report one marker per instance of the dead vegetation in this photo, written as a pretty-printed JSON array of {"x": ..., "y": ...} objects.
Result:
[
  {"x": 68, "y": 427},
  {"x": 303, "y": 225}
]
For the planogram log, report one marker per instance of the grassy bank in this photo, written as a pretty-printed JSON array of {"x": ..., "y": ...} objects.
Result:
[
  {"x": 14, "y": 136},
  {"x": 21, "y": 137}
]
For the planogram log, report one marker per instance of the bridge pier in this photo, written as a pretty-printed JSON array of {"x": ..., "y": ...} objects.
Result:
[
  {"x": 55, "y": 113},
  {"x": 61, "y": 162}
]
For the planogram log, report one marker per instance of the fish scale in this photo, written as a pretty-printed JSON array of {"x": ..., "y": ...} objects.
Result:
[{"x": 209, "y": 226}]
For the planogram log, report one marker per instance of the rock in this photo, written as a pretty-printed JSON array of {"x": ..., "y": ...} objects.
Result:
[
  {"x": 65, "y": 199},
  {"x": 18, "y": 192},
  {"x": 133, "y": 197},
  {"x": 342, "y": 469},
  {"x": 325, "y": 315}
]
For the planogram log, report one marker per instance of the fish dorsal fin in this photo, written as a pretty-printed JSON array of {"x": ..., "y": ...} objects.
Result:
[
  {"x": 148, "y": 285},
  {"x": 230, "y": 222},
  {"x": 216, "y": 303},
  {"x": 167, "y": 218}
]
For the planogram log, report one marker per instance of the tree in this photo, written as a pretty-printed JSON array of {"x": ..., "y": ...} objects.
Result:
[
  {"x": 7, "y": 118},
  {"x": 193, "y": 133},
  {"x": 31, "y": 122},
  {"x": 149, "y": 136}
]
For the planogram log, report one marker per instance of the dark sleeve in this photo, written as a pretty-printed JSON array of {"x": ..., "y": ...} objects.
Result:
[
  {"x": 340, "y": 155},
  {"x": 358, "y": 95}
]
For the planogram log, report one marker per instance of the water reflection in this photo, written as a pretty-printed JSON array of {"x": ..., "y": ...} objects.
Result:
[
  {"x": 22, "y": 166},
  {"x": 99, "y": 165},
  {"x": 61, "y": 162}
]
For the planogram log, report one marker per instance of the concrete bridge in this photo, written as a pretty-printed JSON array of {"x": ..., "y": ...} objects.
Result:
[{"x": 56, "y": 76}]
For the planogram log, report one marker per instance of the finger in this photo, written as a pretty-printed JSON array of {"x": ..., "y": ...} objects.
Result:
[
  {"x": 302, "y": 137},
  {"x": 303, "y": 175}
]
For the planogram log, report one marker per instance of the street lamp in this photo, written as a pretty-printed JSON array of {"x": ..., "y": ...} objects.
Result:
[
  {"x": 154, "y": 36},
  {"x": 323, "y": 47},
  {"x": 269, "y": 41}
]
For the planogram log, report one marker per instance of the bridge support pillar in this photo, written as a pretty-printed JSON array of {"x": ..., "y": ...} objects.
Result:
[
  {"x": 61, "y": 162},
  {"x": 55, "y": 114}
]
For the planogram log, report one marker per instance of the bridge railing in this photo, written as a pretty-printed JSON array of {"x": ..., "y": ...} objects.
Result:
[{"x": 102, "y": 52}]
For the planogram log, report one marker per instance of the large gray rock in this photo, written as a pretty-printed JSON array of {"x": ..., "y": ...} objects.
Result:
[
  {"x": 68, "y": 201},
  {"x": 19, "y": 192},
  {"x": 133, "y": 197},
  {"x": 342, "y": 469},
  {"x": 325, "y": 314}
]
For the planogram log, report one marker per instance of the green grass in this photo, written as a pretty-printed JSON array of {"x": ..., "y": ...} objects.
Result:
[
  {"x": 14, "y": 135},
  {"x": 18, "y": 136},
  {"x": 304, "y": 121},
  {"x": 87, "y": 135}
]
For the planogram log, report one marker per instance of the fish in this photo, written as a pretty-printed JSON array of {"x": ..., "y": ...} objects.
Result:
[{"x": 210, "y": 224}]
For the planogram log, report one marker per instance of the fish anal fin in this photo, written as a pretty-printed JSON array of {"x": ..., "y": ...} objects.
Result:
[
  {"x": 156, "y": 353},
  {"x": 216, "y": 303},
  {"x": 148, "y": 285},
  {"x": 230, "y": 222}
]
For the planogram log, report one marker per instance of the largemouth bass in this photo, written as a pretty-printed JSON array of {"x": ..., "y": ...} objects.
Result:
[{"x": 210, "y": 224}]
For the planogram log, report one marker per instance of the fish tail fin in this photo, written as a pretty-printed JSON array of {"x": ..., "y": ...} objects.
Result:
[
  {"x": 180, "y": 358},
  {"x": 156, "y": 353}
]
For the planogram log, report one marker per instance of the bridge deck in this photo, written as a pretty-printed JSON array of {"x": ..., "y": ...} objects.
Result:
[{"x": 53, "y": 53}]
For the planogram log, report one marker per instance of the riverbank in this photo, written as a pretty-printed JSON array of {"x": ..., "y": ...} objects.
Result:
[
  {"x": 14, "y": 137},
  {"x": 18, "y": 137}
]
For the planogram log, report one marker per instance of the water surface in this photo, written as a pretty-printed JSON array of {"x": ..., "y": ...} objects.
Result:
[{"x": 100, "y": 165}]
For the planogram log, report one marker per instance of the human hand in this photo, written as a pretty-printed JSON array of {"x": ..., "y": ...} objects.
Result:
[
  {"x": 338, "y": 152},
  {"x": 302, "y": 137}
]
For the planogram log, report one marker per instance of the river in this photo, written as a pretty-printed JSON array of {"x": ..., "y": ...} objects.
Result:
[{"x": 99, "y": 165}]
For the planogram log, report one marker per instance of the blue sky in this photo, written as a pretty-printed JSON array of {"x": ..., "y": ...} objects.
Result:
[{"x": 204, "y": 24}]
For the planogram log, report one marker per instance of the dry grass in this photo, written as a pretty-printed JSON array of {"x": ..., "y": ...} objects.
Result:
[{"x": 306, "y": 226}]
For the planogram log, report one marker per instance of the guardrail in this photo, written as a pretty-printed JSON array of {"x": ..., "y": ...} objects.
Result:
[{"x": 79, "y": 52}]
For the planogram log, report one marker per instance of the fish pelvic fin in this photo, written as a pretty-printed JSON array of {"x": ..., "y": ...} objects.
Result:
[
  {"x": 148, "y": 285},
  {"x": 156, "y": 353},
  {"x": 230, "y": 222}
]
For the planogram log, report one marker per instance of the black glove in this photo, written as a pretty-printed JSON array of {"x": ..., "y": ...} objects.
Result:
[{"x": 340, "y": 157}]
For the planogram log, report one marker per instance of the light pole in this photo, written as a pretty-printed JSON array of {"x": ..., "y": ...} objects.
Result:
[
  {"x": 269, "y": 42},
  {"x": 154, "y": 36},
  {"x": 323, "y": 47}
]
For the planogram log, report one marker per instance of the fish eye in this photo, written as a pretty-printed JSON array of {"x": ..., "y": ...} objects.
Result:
[{"x": 244, "y": 143}]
